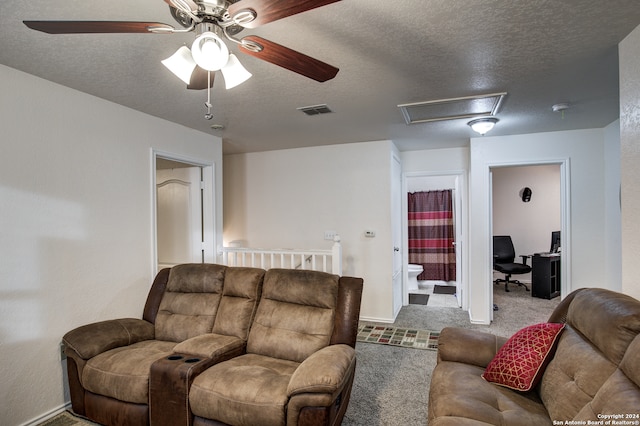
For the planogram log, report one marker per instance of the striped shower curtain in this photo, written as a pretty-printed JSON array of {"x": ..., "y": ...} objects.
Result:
[{"x": 431, "y": 234}]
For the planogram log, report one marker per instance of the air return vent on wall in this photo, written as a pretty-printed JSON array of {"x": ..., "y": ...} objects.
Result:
[
  {"x": 452, "y": 109},
  {"x": 315, "y": 109}
]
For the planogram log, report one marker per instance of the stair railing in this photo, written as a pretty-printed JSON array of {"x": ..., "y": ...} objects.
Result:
[{"x": 326, "y": 260}]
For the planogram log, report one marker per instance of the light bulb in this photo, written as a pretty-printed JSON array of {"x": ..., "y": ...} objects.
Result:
[{"x": 209, "y": 51}]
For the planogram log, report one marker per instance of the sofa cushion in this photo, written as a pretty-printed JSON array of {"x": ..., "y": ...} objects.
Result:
[
  {"x": 609, "y": 320},
  {"x": 620, "y": 394},
  {"x": 600, "y": 326},
  {"x": 244, "y": 389},
  {"x": 123, "y": 373},
  {"x": 520, "y": 362},
  {"x": 459, "y": 396},
  {"x": 240, "y": 296},
  {"x": 190, "y": 303},
  {"x": 573, "y": 376},
  {"x": 296, "y": 314}
]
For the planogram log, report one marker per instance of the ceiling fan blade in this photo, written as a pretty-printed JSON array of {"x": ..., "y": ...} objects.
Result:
[
  {"x": 271, "y": 10},
  {"x": 190, "y": 4},
  {"x": 88, "y": 27},
  {"x": 199, "y": 79},
  {"x": 290, "y": 59}
]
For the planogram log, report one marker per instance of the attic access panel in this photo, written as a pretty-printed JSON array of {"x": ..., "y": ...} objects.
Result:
[{"x": 452, "y": 109}]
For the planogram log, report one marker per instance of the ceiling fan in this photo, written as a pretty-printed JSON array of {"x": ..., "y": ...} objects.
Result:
[{"x": 214, "y": 21}]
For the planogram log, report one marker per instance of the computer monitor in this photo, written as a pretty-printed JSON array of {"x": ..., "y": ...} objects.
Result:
[{"x": 555, "y": 242}]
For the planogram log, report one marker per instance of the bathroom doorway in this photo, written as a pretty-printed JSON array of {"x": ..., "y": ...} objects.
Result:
[{"x": 442, "y": 182}]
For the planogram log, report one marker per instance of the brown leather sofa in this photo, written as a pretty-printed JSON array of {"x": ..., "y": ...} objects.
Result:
[
  {"x": 140, "y": 371},
  {"x": 594, "y": 374}
]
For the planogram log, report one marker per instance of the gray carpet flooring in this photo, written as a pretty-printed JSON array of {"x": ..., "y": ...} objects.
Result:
[{"x": 391, "y": 385}]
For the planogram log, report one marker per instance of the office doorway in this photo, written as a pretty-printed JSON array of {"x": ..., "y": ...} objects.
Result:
[{"x": 528, "y": 203}]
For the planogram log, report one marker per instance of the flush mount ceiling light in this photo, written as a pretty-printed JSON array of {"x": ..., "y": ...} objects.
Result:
[{"x": 483, "y": 125}]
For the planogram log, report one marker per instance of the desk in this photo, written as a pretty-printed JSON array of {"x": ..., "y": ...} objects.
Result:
[{"x": 545, "y": 275}]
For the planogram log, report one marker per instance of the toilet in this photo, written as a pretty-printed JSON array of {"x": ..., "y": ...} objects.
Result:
[{"x": 413, "y": 271}]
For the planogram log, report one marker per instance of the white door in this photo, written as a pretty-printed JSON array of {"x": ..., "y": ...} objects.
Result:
[
  {"x": 396, "y": 220},
  {"x": 458, "y": 242},
  {"x": 179, "y": 216}
]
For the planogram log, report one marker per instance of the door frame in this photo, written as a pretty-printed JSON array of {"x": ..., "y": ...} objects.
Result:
[
  {"x": 565, "y": 224},
  {"x": 208, "y": 204},
  {"x": 397, "y": 274},
  {"x": 462, "y": 231}
]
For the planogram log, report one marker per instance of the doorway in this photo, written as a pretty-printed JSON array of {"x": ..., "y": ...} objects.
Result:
[
  {"x": 529, "y": 202},
  {"x": 183, "y": 211},
  {"x": 424, "y": 181}
]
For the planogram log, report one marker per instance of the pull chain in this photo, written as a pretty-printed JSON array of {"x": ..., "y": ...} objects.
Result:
[{"x": 208, "y": 115}]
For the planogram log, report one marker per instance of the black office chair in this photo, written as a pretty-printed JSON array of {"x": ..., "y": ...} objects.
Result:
[{"x": 504, "y": 261}]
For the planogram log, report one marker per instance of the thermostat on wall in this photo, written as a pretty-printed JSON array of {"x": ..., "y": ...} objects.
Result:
[{"x": 369, "y": 234}]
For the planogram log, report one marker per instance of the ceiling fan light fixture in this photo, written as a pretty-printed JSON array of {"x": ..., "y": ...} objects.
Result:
[
  {"x": 483, "y": 125},
  {"x": 234, "y": 73},
  {"x": 181, "y": 64},
  {"x": 209, "y": 51}
]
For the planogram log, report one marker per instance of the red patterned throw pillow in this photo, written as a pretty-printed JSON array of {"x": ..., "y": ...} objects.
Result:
[{"x": 519, "y": 364}]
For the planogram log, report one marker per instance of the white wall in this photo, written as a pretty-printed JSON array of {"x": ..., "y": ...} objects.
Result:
[
  {"x": 288, "y": 198},
  {"x": 612, "y": 212},
  {"x": 529, "y": 224},
  {"x": 629, "y": 51},
  {"x": 583, "y": 150},
  {"x": 75, "y": 226},
  {"x": 430, "y": 183},
  {"x": 435, "y": 160}
]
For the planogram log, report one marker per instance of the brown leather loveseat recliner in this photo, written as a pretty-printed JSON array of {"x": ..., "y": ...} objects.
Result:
[
  {"x": 141, "y": 371},
  {"x": 203, "y": 310},
  {"x": 594, "y": 375},
  {"x": 300, "y": 360}
]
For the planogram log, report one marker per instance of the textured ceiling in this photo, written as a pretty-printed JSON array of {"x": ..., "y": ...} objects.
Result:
[{"x": 389, "y": 53}]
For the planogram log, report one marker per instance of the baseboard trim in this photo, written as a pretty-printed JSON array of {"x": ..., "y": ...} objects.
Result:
[
  {"x": 373, "y": 319},
  {"x": 475, "y": 321},
  {"x": 48, "y": 415}
]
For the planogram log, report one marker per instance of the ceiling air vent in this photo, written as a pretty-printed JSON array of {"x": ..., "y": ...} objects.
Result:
[
  {"x": 315, "y": 109},
  {"x": 452, "y": 109}
]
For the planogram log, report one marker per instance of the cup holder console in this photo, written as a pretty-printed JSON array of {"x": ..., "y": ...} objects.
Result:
[
  {"x": 179, "y": 357},
  {"x": 169, "y": 381}
]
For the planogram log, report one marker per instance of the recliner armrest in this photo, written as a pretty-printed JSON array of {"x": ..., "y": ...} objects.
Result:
[
  {"x": 211, "y": 345},
  {"x": 324, "y": 371},
  {"x": 468, "y": 346},
  {"x": 92, "y": 339}
]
